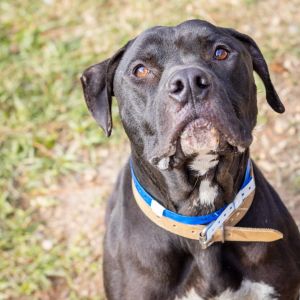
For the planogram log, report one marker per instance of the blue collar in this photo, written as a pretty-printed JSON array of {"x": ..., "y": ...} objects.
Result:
[{"x": 190, "y": 220}]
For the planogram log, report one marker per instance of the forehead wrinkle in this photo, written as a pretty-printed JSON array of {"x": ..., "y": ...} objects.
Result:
[
  {"x": 151, "y": 37},
  {"x": 189, "y": 46},
  {"x": 153, "y": 45},
  {"x": 155, "y": 35},
  {"x": 152, "y": 55},
  {"x": 192, "y": 36},
  {"x": 150, "y": 50}
]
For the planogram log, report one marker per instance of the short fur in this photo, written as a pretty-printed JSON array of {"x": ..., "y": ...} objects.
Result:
[{"x": 141, "y": 260}]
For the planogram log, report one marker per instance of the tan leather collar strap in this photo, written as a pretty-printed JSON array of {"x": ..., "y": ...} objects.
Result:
[{"x": 225, "y": 233}]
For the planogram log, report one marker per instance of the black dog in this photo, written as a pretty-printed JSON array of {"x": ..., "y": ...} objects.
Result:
[{"x": 187, "y": 101}]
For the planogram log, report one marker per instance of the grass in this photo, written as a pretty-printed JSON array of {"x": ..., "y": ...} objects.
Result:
[{"x": 46, "y": 132}]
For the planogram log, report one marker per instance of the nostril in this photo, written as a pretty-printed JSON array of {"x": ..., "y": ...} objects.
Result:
[
  {"x": 201, "y": 82},
  {"x": 176, "y": 86}
]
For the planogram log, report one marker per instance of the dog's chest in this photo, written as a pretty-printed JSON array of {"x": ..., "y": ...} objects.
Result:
[{"x": 249, "y": 290}]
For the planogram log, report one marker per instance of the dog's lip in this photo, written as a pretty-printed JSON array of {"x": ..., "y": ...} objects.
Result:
[
  {"x": 237, "y": 139},
  {"x": 172, "y": 147},
  {"x": 199, "y": 123}
]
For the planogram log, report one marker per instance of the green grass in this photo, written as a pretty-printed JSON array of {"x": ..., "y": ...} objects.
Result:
[
  {"x": 46, "y": 131},
  {"x": 45, "y": 128}
]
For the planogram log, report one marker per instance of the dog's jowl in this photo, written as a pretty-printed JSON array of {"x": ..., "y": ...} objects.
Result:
[{"x": 191, "y": 215}]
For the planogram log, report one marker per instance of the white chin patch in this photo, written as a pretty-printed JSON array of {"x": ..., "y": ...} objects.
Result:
[
  {"x": 199, "y": 137},
  {"x": 203, "y": 163}
]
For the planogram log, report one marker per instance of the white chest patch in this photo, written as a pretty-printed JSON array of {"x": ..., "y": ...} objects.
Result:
[
  {"x": 207, "y": 192},
  {"x": 248, "y": 290},
  {"x": 192, "y": 295},
  {"x": 202, "y": 163}
]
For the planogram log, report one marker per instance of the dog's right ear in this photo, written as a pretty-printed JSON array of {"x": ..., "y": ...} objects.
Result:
[{"x": 97, "y": 84}]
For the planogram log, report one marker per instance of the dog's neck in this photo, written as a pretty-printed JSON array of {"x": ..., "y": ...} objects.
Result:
[{"x": 200, "y": 187}]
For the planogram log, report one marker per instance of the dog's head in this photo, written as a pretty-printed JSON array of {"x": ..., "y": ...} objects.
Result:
[{"x": 181, "y": 91}]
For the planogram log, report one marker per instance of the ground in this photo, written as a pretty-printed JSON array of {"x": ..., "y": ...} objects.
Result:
[{"x": 58, "y": 168}]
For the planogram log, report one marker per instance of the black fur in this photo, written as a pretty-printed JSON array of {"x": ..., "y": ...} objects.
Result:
[{"x": 141, "y": 260}]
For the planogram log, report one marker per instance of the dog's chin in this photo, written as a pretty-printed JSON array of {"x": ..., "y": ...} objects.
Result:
[{"x": 199, "y": 137}]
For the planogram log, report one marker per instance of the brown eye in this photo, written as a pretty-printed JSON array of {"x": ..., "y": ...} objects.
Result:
[
  {"x": 141, "y": 71},
  {"x": 221, "y": 54}
]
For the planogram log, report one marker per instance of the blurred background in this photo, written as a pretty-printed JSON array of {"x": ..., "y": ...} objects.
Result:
[{"x": 56, "y": 166}]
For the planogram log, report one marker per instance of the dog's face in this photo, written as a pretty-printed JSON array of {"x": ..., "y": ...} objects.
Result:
[{"x": 182, "y": 91}]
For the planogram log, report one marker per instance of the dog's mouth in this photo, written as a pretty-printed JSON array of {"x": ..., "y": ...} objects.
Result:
[{"x": 196, "y": 137}]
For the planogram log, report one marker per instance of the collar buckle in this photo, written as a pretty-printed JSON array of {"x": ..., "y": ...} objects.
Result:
[{"x": 204, "y": 242}]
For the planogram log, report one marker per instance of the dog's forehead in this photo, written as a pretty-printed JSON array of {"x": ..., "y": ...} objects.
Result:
[
  {"x": 198, "y": 28},
  {"x": 168, "y": 38}
]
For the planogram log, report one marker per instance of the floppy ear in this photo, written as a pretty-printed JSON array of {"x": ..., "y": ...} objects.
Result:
[
  {"x": 97, "y": 84},
  {"x": 261, "y": 68}
]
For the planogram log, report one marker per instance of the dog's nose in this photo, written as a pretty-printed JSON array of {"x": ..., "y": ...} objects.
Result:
[{"x": 187, "y": 83}]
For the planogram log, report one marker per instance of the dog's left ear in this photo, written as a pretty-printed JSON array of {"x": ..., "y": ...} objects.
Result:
[
  {"x": 97, "y": 84},
  {"x": 261, "y": 68}
]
